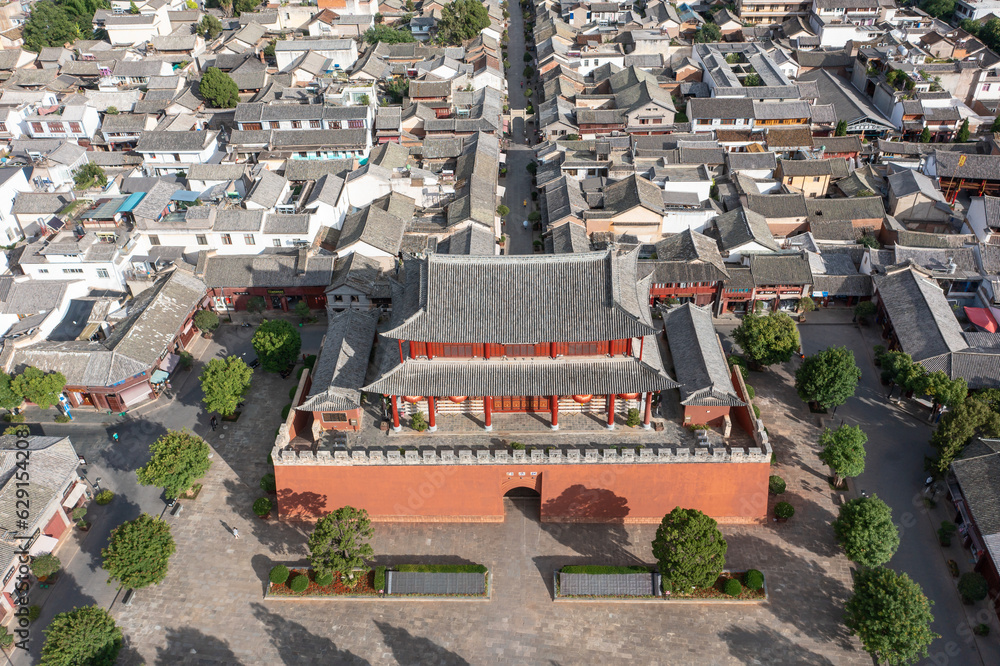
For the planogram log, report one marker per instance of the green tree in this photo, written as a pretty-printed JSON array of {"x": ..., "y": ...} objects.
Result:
[
  {"x": 48, "y": 25},
  {"x": 88, "y": 175},
  {"x": 939, "y": 8},
  {"x": 206, "y": 320},
  {"x": 44, "y": 566},
  {"x": 828, "y": 378},
  {"x": 256, "y": 305},
  {"x": 209, "y": 27},
  {"x": 970, "y": 26},
  {"x": 225, "y": 381},
  {"x": 179, "y": 459},
  {"x": 387, "y": 34},
  {"x": 690, "y": 550},
  {"x": 277, "y": 344},
  {"x": 462, "y": 20},
  {"x": 111, "y": 111},
  {"x": 891, "y": 616},
  {"x": 844, "y": 451},
  {"x": 219, "y": 89},
  {"x": 841, "y": 128},
  {"x": 963, "y": 132},
  {"x": 708, "y": 33},
  {"x": 132, "y": 9},
  {"x": 995, "y": 127},
  {"x": 865, "y": 529},
  {"x": 865, "y": 309},
  {"x": 339, "y": 542},
  {"x": 971, "y": 418},
  {"x": 942, "y": 389},
  {"x": 301, "y": 309},
  {"x": 86, "y": 635},
  {"x": 989, "y": 33},
  {"x": 244, "y": 6},
  {"x": 138, "y": 552},
  {"x": 502, "y": 210},
  {"x": 925, "y": 135},
  {"x": 397, "y": 88},
  {"x": 899, "y": 369},
  {"x": 769, "y": 339},
  {"x": 9, "y": 396},
  {"x": 38, "y": 387},
  {"x": 753, "y": 80}
]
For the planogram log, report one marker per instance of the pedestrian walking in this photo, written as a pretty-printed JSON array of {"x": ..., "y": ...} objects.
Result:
[
  {"x": 214, "y": 423},
  {"x": 114, "y": 436},
  {"x": 236, "y": 533}
]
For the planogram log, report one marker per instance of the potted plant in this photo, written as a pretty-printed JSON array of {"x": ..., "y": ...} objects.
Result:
[
  {"x": 973, "y": 587},
  {"x": 262, "y": 507},
  {"x": 806, "y": 304},
  {"x": 104, "y": 497},
  {"x": 206, "y": 321},
  {"x": 78, "y": 514},
  {"x": 417, "y": 422},
  {"x": 45, "y": 566},
  {"x": 783, "y": 511},
  {"x": 953, "y": 568},
  {"x": 945, "y": 533}
]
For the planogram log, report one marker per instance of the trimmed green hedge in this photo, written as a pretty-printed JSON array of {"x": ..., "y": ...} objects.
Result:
[
  {"x": 379, "y": 578},
  {"x": 599, "y": 569},
  {"x": 443, "y": 568}
]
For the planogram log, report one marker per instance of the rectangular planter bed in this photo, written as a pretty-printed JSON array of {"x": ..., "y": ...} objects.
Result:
[
  {"x": 640, "y": 584},
  {"x": 406, "y": 582}
]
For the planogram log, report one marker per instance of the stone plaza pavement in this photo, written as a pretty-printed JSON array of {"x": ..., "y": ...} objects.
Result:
[{"x": 210, "y": 609}]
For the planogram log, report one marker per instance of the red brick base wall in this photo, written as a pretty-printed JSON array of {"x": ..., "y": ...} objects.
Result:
[{"x": 640, "y": 493}]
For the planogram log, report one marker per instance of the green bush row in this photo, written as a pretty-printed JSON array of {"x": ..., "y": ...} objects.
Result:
[
  {"x": 599, "y": 569},
  {"x": 443, "y": 568}
]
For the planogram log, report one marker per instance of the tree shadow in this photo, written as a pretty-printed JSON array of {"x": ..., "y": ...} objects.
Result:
[
  {"x": 65, "y": 595},
  {"x": 297, "y": 645},
  {"x": 301, "y": 506},
  {"x": 790, "y": 580},
  {"x": 578, "y": 503},
  {"x": 277, "y": 535},
  {"x": 765, "y": 645},
  {"x": 409, "y": 649},
  {"x": 187, "y": 645},
  {"x": 810, "y": 528}
]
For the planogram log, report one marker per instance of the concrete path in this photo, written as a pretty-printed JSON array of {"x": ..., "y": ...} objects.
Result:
[
  {"x": 897, "y": 444},
  {"x": 519, "y": 155}
]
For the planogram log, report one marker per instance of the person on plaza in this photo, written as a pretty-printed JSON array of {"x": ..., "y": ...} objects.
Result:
[
  {"x": 214, "y": 423},
  {"x": 114, "y": 436},
  {"x": 236, "y": 533}
]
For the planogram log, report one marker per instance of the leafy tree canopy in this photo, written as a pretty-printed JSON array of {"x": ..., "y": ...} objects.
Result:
[
  {"x": 963, "y": 132},
  {"x": 690, "y": 549},
  {"x": 9, "y": 397},
  {"x": 138, "y": 552},
  {"x": 769, "y": 339},
  {"x": 88, "y": 175},
  {"x": 179, "y": 459},
  {"x": 209, "y": 27},
  {"x": 708, "y": 33},
  {"x": 844, "y": 450},
  {"x": 891, "y": 616},
  {"x": 85, "y": 635},
  {"x": 387, "y": 34},
  {"x": 841, "y": 128},
  {"x": 38, "y": 387},
  {"x": 942, "y": 389},
  {"x": 219, "y": 89},
  {"x": 224, "y": 383},
  {"x": 339, "y": 543},
  {"x": 828, "y": 378},
  {"x": 49, "y": 25},
  {"x": 277, "y": 344},
  {"x": 971, "y": 418},
  {"x": 939, "y": 8},
  {"x": 462, "y": 20},
  {"x": 206, "y": 320},
  {"x": 865, "y": 529}
]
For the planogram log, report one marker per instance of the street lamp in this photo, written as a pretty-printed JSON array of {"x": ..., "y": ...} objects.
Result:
[{"x": 97, "y": 484}]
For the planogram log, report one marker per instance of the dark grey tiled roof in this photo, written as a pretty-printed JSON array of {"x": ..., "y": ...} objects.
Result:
[
  {"x": 156, "y": 141},
  {"x": 795, "y": 168},
  {"x": 772, "y": 206},
  {"x": 699, "y": 363},
  {"x": 237, "y": 219},
  {"x": 300, "y": 170},
  {"x": 474, "y": 239},
  {"x": 857, "y": 208},
  {"x": 750, "y": 161},
  {"x": 721, "y": 107},
  {"x": 375, "y": 226},
  {"x": 772, "y": 269},
  {"x": 278, "y": 268},
  {"x": 975, "y": 166},
  {"x": 921, "y": 317},
  {"x": 977, "y": 475},
  {"x": 569, "y": 238},
  {"x": 340, "y": 370},
  {"x": 577, "y": 297},
  {"x": 741, "y": 226},
  {"x": 843, "y": 285},
  {"x": 687, "y": 256}
]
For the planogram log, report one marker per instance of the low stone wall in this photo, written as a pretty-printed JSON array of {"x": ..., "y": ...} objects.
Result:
[{"x": 572, "y": 456}]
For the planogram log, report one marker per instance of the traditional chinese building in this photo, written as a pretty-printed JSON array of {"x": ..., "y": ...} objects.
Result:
[{"x": 522, "y": 334}]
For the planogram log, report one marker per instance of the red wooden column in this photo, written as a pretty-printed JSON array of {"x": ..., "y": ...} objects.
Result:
[
  {"x": 431, "y": 404},
  {"x": 554, "y": 403},
  {"x": 649, "y": 410},
  {"x": 395, "y": 414},
  {"x": 611, "y": 411},
  {"x": 488, "y": 410}
]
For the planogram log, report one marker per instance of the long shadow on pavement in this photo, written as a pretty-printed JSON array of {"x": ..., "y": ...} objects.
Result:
[
  {"x": 278, "y": 536},
  {"x": 188, "y": 645},
  {"x": 409, "y": 649},
  {"x": 762, "y": 645},
  {"x": 297, "y": 645}
]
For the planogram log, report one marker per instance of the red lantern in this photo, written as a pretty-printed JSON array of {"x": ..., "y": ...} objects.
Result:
[
  {"x": 457, "y": 398},
  {"x": 628, "y": 396},
  {"x": 413, "y": 399},
  {"x": 582, "y": 399}
]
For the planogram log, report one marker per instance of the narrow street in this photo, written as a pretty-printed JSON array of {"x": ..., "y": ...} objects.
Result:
[{"x": 519, "y": 155}]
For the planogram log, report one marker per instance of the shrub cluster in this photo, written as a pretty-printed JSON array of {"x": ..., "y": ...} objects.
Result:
[
  {"x": 753, "y": 579},
  {"x": 279, "y": 574},
  {"x": 104, "y": 497},
  {"x": 732, "y": 587},
  {"x": 776, "y": 485},
  {"x": 299, "y": 583}
]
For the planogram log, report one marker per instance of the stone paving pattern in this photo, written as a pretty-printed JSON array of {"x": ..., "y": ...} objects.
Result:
[{"x": 210, "y": 609}]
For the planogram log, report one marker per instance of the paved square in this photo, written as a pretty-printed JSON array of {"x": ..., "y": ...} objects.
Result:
[{"x": 210, "y": 608}]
